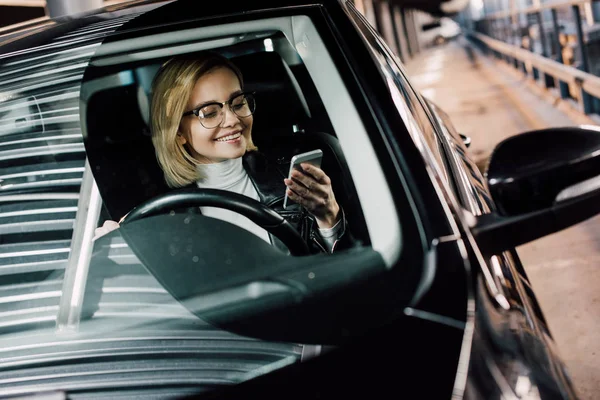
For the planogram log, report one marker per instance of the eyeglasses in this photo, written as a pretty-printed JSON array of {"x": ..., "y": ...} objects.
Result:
[{"x": 211, "y": 115}]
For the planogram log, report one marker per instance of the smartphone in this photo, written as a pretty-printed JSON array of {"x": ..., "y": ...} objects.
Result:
[{"x": 313, "y": 157}]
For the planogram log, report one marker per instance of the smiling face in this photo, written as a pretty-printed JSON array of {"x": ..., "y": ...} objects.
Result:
[{"x": 228, "y": 140}]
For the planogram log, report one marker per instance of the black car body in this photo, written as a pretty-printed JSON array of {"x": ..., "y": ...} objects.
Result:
[{"x": 444, "y": 311}]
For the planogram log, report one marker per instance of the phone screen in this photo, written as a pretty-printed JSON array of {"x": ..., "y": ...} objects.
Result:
[{"x": 313, "y": 157}]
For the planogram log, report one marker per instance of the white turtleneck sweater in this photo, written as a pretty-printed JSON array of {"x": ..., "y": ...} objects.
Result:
[{"x": 231, "y": 175}]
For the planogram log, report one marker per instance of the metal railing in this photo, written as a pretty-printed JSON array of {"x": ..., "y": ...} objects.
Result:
[{"x": 507, "y": 35}]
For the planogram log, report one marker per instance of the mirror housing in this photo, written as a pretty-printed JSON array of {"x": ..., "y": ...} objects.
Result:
[{"x": 541, "y": 182}]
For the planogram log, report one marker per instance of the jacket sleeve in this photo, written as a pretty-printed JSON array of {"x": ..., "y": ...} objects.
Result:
[{"x": 344, "y": 239}]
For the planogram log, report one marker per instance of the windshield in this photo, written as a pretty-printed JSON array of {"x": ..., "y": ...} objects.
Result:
[{"x": 159, "y": 195}]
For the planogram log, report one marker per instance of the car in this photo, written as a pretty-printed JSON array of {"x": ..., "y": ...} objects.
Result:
[
  {"x": 431, "y": 301},
  {"x": 438, "y": 31}
]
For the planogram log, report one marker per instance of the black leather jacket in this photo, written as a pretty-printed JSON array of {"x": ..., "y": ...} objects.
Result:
[{"x": 267, "y": 175}]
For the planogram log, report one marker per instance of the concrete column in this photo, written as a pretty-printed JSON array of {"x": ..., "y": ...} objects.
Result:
[
  {"x": 360, "y": 6},
  {"x": 405, "y": 21},
  {"x": 60, "y": 8},
  {"x": 386, "y": 29},
  {"x": 370, "y": 12},
  {"x": 412, "y": 31},
  {"x": 401, "y": 34}
]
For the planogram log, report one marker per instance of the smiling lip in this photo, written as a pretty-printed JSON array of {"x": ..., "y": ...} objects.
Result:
[{"x": 230, "y": 137}]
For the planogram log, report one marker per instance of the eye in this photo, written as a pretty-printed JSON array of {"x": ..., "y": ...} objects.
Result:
[
  {"x": 239, "y": 102},
  {"x": 210, "y": 111}
]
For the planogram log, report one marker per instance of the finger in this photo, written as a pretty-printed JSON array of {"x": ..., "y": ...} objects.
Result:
[
  {"x": 303, "y": 191},
  {"x": 111, "y": 225},
  {"x": 316, "y": 173},
  {"x": 99, "y": 232},
  {"x": 295, "y": 197},
  {"x": 311, "y": 183},
  {"x": 106, "y": 228},
  {"x": 309, "y": 204},
  {"x": 314, "y": 204},
  {"x": 303, "y": 178}
]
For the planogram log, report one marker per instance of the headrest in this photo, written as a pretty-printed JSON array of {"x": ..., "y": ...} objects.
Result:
[
  {"x": 268, "y": 73},
  {"x": 280, "y": 104}
]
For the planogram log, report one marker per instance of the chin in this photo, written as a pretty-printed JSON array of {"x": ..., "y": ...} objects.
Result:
[{"x": 234, "y": 154}]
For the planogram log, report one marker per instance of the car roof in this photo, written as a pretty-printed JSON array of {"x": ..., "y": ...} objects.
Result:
[{"x": 23, "y": 36}]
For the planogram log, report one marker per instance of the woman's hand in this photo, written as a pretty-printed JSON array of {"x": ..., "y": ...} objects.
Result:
[
  {"x": 312, "y": 190},
  {"x": 106, "y": 228}
]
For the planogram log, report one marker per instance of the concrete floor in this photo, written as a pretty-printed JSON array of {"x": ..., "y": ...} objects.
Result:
[{"x": 489, "y": 102}]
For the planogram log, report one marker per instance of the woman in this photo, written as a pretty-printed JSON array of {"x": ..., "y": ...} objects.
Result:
[{"x": 202, "y": 135}]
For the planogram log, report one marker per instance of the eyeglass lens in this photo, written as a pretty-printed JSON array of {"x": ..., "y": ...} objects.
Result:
[{"x": 212, "y": 115}]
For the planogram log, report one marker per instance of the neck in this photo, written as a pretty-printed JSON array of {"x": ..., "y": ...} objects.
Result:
[{"x": 221, "y": 175}]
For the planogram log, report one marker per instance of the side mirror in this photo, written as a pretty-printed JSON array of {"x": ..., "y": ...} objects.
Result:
[{"x": 541, "y": 182}]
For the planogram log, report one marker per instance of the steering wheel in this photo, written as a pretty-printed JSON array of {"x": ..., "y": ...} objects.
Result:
[{"x": 255, "y": 211}]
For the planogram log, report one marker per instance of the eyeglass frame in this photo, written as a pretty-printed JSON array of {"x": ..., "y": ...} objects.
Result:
[{"x": 196, "y": 111}]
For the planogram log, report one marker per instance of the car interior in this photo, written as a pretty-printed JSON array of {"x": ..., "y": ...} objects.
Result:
[
  {"x": 302, "y": 105},
  {"x": 301, "y": 92},
  {"x": 287, "y": 121},
  {"x": 216, "y": 303}
]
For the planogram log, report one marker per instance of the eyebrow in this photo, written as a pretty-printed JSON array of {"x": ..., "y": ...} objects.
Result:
[{"x": 206, "y": 103}]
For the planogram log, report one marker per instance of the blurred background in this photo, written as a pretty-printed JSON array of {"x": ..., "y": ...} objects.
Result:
[{"x": 498, "y": 68}]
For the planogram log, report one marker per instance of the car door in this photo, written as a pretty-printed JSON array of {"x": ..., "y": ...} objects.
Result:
[
  {"x": 122, "y": 293},
  {"x": 443, "y": 148},
  {"x": 471, "y": 188},
  {"x": 502, "y": 276},
  {"x": 524, "y": 315},
  {"x": 423, "y": 135}
]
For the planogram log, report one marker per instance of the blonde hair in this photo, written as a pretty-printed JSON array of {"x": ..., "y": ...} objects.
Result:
[{"x": 171, "y": 89}]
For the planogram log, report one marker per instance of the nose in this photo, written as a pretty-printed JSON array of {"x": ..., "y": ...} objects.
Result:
[{"x": 229, "y": 117}]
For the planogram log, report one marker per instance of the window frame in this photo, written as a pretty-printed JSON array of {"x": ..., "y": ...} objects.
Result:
[
  {"x": 436, "y": 166},
  {"x": 383, "y": 223}
]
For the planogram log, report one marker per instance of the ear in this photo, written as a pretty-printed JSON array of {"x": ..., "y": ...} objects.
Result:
[{"x": 181, "y": 138}]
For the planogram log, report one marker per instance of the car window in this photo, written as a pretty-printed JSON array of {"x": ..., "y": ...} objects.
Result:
[
  {"x": 431, "y": 124},
  {"x": 76, "y": 150},
  {"x": 42, "y": 163},
  {"x": 470, "y": 185},
  {"x": 287, "y": 91},
  {"x": 405, "y": 98}
]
